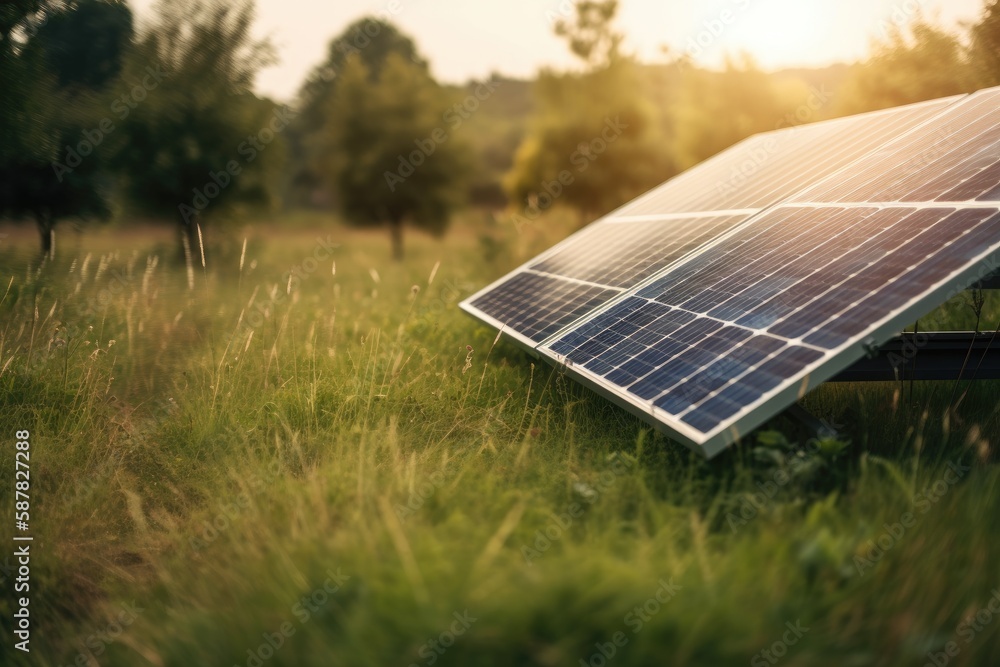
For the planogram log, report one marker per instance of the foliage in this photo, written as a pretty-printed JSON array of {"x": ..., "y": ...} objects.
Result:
[
  {"x": 590, "y": 35},
  {"x": 493, "y": 131},
  {"x": 84, "y": 44},
  {"x": 594, "y": 142},
  {"x": 714, "y": 110},
  {"x": 198, "y": 142},
  {"x": 912, "y": 64},
  {"x": 370, "y": 39},
  {"x": 55, "y": 73},
  {"x": 985, "y": 49},
  {"x": 389, "y": 156}
]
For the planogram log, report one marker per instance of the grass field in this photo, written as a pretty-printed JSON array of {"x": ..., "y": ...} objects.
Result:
[{"x": 343, "y": 469}]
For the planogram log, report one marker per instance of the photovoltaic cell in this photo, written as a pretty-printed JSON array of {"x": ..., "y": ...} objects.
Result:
[{"x": 537, "y": 306}]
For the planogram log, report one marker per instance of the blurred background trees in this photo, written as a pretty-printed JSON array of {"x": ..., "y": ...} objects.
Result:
[
  {"x": 195, "y": 141},
  {"x": 594, "y": 142},
  {"x": 913, "y": 63},
  {"x": 100, "y": 121},
  {"x": 386, "y": 149},
  {"x": 372, "y": 41},
  {"x": 985, "y": 48},
  {"x": 714, "y": 110},
  {"x": 57, "y": 62}
]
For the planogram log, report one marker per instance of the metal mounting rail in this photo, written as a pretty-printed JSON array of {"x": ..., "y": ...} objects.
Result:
[
  {"x": 991, "y": 281},
  {"x": 932, "y": 355}
]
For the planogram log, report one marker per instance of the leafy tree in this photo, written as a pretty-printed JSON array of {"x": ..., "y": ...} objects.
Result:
[
  {"x": 986, "y": 45},
  {"x": 387, "y": 154},
  {"x": 594, "y": 142},
  {"x": 198, "y": 143},
  {"x": 370, "y": 39},
  {"x": 56, "y": 62},
  {"x": 913, "y": 64},
  {"x": 85, "y": 44},
  {"x": 591, "y": 35}
]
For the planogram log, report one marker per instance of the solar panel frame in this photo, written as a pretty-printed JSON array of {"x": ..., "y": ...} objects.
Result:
[
  {"x": 833, "y": 361},
  {"x": 830, "y": 362}
]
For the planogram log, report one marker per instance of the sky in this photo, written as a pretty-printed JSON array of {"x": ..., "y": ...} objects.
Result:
[{"x": 470, "y": 39}]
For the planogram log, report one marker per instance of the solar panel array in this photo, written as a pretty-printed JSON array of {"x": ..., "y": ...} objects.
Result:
[
  {"x": 614, "y": 254},
  {"x": 746, "y": 313}
]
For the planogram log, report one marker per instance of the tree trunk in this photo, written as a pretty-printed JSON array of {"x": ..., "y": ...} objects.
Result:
[
  {"x": 396, "y": 232},
  {"x": 47, "y": 233},
  {"x": 190, "y": 247}
]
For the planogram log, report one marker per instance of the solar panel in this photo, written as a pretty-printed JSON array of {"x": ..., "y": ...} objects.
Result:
[
  {"x": 767, "y": 168},
  {"x": 614, "y": 254},
  {"x": 714, "y": 345}
]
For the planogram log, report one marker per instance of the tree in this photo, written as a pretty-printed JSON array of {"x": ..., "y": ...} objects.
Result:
[
  {"x": 985, "y": 51},
  {"x": 594, "y": 142},
  {"x": 196, "y": 142},
  {"x": 370, "y": 39},
  {"x": 912, "y": 64},
  {"x": 387, "y": 154},
  {"x": 56, "y": 62},
  {"x": 591, "y": 35},
  {"x": 85, "y": 44}
]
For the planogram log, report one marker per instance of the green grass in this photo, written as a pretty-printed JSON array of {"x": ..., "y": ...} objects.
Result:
[{"x": 367, "y": 436}]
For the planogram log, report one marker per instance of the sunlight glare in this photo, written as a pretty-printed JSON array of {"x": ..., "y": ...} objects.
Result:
[{"x": 782, "y": 32}]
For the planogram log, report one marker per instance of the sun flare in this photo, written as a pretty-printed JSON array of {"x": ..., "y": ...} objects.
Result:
[{"x": 781, "y": 32}]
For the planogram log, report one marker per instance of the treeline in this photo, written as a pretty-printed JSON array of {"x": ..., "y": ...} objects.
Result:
[{"x": 101, "y": 120}]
